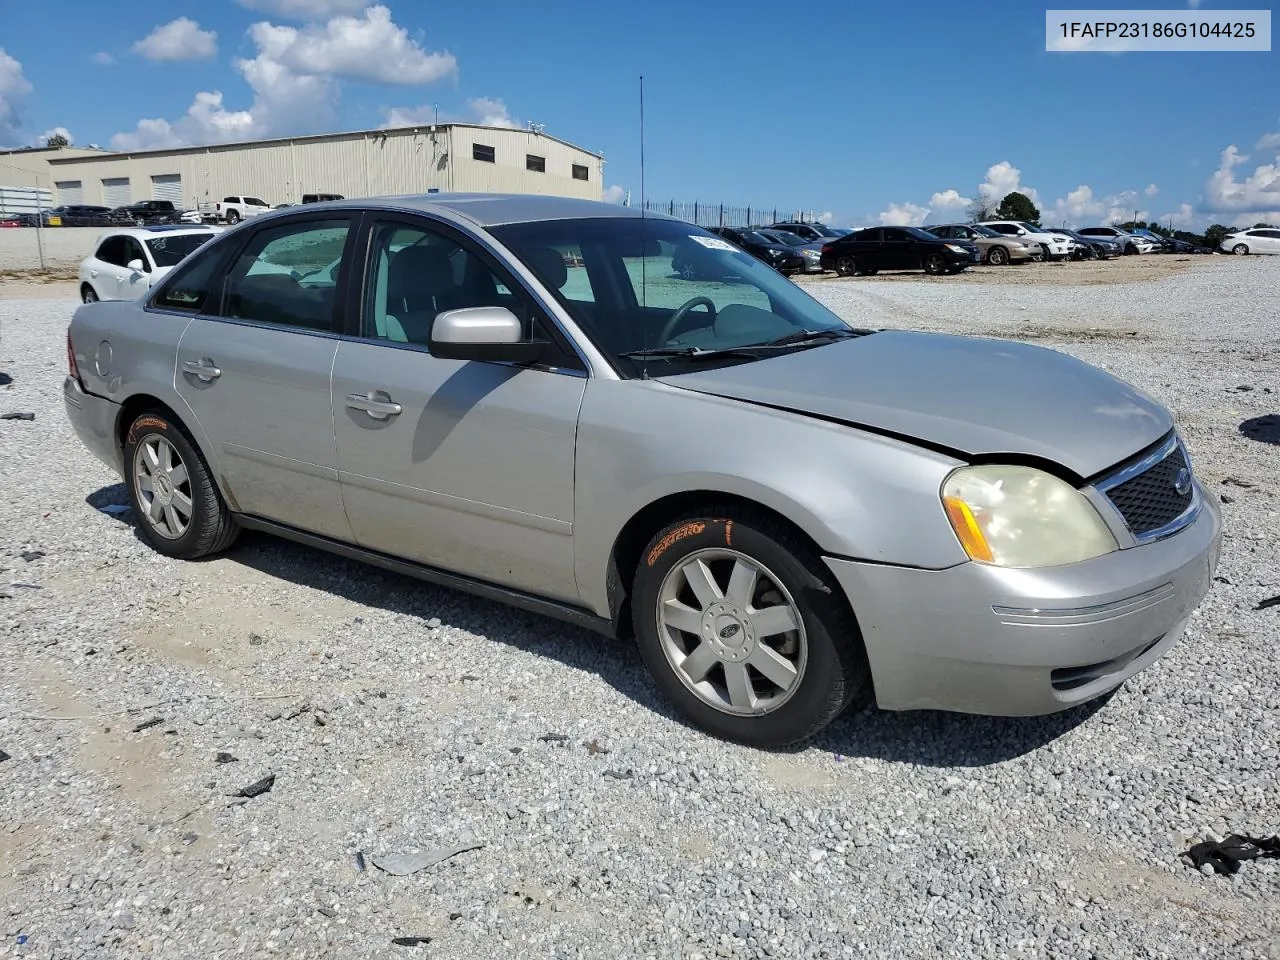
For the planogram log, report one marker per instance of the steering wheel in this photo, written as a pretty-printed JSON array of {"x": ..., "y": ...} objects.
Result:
[{"x": 681, "y": 312}]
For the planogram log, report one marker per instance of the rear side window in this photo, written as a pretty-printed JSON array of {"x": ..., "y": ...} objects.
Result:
[
  {"x": 230, "y": 199},
  {"x": 288, "y": 275}
]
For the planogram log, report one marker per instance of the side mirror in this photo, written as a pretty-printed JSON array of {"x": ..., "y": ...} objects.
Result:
[
  {"x": 490, "y": 334},
  {"x": 136, "y": 266}
]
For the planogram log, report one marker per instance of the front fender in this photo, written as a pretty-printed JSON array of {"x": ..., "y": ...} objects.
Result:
[{"x": 855, "y": 494}]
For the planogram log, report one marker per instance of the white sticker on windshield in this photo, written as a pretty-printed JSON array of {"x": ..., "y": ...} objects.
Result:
[{"x": 714, "y": 243}]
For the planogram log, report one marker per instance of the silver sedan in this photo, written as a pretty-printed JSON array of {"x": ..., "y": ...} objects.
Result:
[{"x": 518, "y": 396}]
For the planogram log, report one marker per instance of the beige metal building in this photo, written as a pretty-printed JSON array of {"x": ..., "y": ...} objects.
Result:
[
  {"x": 447, "y": 157},
  {"x": 26, "y": 183}
]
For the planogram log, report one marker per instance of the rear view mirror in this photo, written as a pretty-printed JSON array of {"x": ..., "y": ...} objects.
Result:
[{"x": 491, "y": 334}]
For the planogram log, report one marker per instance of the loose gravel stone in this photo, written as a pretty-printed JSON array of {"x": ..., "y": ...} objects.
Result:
[{"x": 891, "y": 835}]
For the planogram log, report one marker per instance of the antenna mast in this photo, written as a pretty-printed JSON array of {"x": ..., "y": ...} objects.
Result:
[{"x": 644, "y": 370}]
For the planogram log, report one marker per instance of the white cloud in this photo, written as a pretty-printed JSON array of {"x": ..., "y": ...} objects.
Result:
[
  {"x": 486, "y": 111},
  {"x": 948, "y": 204},
  {"x": 14, "y": 88},
  {"x": 1151, "y": 190},
  {"x": 305, "y": 9},
  {"x": 1081, "y": 208},
  {"x": 1002, "y": 179},
  {"x": 103, "y": 59},
  {"x": 1193, "y": 3},
  {"x": 490, "y": 112},
  {"x": 296, "y": 79},
  {"x": 1259, "y": 192},
  {"x": 826, "y": 216},
  {"x": 180, "y": 39},
  {"x": 1269, "y": 141},
  {"x": 903, "y": 215},
  {"x": 48, "y": 135},
  {"x": 373, "y": 48},
  {"x": 614, "y": 194}
]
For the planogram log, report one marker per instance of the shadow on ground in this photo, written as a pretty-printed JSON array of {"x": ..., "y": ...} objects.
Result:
[
  {"x": 1264, "y": 429},
  {"x": 926, "y": 738}
]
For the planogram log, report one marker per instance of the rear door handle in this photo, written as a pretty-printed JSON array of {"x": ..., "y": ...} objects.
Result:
[
  {"x": 375, "y": 403},
  {"x": 204, "y": 369}
]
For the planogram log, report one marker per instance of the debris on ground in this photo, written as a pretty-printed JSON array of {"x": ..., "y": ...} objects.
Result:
[
  {"x": 553, "y": 738},
  {"x": 1269, "y": 602},
  {"x": 4, "y": 756},
  {"x": 30, "y": 555},
  {"x": 257, "y": 788},
  {"x": 619, "y": 774},
  {"x": 326, "y": 912},
  {"x": 1225, "y": 856},
  {"x": 148, "y": 724},
  {"x": 1237, "y": 482},
  {"x": 403, "y": 864},
  {"x": 593, "y": 747},
  {"x": 18, "y": 415},
  {"x": 410, "y": 941},
  {"x": 360, "y": 860},
  {"x": 223, "y": 757}
]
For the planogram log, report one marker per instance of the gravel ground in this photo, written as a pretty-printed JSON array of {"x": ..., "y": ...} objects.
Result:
[{"x": 400, "y": 718}]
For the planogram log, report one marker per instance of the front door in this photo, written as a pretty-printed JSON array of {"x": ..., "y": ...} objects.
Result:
[
  {"x": 255, "y": 367},
  {"x": 133, "y": 283},
  {"x": 898, "y": 250},
  {"x": 464, "y": 466}
]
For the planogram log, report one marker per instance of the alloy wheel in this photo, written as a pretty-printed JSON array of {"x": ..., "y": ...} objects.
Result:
[
  {"x": 732, "y": 632},
  {"x": 163, "y": 486}
]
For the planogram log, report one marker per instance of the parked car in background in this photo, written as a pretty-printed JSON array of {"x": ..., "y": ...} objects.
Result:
[
  {"x": 321, "y": 197},
  {"x": 82, "y": 215},
  {"x": 782, "y": 258},
  {"x": 235, "y": 209},
  {"x": 1053, "y": 245},
  {"x": 1128, "y": 243},
  {"x": 148, "y": 212},
  {"x": 811, "y": 250},
  {"x": 933, "y": 521},
  {"x": 817, "y": 232},
  {"x": 1159, "y": 242},
  {"x": 1257, "y": 240},
  {"x": 1093, "y": 248},
  {"x": 996, "y": 248},
  {"x": 873, "y": 249},
  {"x": 128, "y": 262},
  {"x": 1186, "y": 246}
]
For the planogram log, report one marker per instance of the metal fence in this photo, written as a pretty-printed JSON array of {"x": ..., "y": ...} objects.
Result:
[
  {"x": 724, "y": 215},
  {"x": 15, "y": 201}
]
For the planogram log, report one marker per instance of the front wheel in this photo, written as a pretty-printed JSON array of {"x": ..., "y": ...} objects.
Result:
[
  {"x": 744, "y": 630},
  {"x": 179, "y": 509},
  {"x": 233, "y": 216},
  {"x": 997, "y": 256},
  {"x": 1240, "y": 249},
  {"x": 935, "y": 264}
]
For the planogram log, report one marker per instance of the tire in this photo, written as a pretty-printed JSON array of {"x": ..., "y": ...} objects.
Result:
[
  {"x": 825, "y": 667},
  {"x": 997, "y": 256},
  {"x": 1130, "y": 250},
  {"x": 233, "y": 216},
  {"x": 869, "y": 271},
  {"x": 1240, "y": 250},
  {"x": 935, "y": 264},
  {"x": 846, "y": 266},
  {"x": 88, "y": 294},
  {"x": 210, "y": 526}
]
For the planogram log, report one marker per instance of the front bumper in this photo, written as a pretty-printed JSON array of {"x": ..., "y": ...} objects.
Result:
[
  {"x": 1005, "y": 642},
  {"x": 94, "y": 421}
]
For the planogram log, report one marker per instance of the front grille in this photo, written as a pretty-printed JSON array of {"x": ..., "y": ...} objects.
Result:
[{"x": 1151, "y": 500}]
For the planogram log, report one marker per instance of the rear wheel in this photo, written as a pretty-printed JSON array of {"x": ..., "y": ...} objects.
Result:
[
  {"x": 935, "y": 264},
  {"x": 744, "y": 629},
  {"x": 179, "y": 509},
  {"x": 233, "y": 216},
  {"x": 846, "y": 266},
  {"x": 88, "y": 294},
  {"x": 1240, "y": 249},
  {"x": 997, "y": 256}
]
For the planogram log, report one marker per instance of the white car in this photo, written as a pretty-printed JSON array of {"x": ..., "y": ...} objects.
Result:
[
  {"x": 1257, "y": 240},
  {"x": 126, "y": 263},
  {"x": 235, "y": 209},
  {"x": 1056, "y": 246}
]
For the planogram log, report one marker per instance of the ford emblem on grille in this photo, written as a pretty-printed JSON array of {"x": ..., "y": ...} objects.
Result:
[{"x": 1182, "y": 482}]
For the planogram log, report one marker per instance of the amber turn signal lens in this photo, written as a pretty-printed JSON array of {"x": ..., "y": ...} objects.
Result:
[{"x": 967, "y": 529}]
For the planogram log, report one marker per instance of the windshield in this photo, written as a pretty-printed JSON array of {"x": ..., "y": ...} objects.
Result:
[
  {"x": 921, "y": 234},
  {"x": 690, "y": 289},
  {"x": 790, "y": 239},
  {"x": 167, "y": 251},
  {"x": 1030, "y": 227},
  {"x": 982, "y": 231}
]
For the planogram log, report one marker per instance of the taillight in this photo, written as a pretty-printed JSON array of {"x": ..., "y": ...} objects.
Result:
[{"x": 72, "y": 370}]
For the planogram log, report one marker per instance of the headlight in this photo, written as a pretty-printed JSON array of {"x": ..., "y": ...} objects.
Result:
[
  {"x": 956, "y": 249},
  {"x": 1022, "y": 517}
]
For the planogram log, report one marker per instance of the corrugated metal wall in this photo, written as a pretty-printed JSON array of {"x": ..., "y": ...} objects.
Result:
[
  {"x": 377, "y": 163},
  {"x": 19, "y": 200}
]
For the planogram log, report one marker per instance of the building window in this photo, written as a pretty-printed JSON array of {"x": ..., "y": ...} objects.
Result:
[
  {"x": 480, "y": 151},
  {"x": 580, "y": 172},
  {"x": 536, "y": 164}
]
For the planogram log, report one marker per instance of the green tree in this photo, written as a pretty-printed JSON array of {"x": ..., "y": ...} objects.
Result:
[
  {"x": 1018, "y": 206},
  {"x": 57, "y": 142},
  {"x": 1216, "y": 234}
]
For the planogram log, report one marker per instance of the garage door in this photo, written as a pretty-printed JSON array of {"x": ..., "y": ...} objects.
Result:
[
  {"x": 70, "y": 191},
  {"x": 115, "y": 191},
  {"x": 167, "y": 186}
]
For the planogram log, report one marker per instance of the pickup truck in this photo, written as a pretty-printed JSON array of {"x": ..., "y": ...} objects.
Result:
[
  {"x": 235, "y": 209},
  {"x": 146, "y": 212}
]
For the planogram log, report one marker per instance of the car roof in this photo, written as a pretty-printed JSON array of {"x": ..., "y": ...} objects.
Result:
[
  {"x": 143, "y": 233},
  {"x": 494, "y": 209}
]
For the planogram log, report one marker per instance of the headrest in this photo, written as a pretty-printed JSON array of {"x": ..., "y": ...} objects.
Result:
[
  {"x": 421, "y": 266},
  {"x": 549, "y": 265}
]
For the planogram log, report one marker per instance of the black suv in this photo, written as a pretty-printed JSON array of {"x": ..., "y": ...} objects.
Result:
[
  {"x": 146, "y": 212},
  {"x": 807, "y": 231},
  {"x": 897, "y": 248}
]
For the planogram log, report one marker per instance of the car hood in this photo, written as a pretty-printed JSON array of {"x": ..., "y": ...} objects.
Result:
[{"x": 969, "y": 396}]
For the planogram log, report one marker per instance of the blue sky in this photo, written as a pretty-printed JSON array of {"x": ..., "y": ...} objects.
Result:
[{"x": 872, "y": 112}]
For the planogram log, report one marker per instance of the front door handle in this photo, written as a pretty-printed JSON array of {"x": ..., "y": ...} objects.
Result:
[
  {"x": 203, "y": 369},
  {"x": 375, "y": 403}
]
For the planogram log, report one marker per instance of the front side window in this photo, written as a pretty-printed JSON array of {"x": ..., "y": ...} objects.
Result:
[
  {"x": 167, "y": 251},
  {"x": 133, "y": 251},
  {"x": 288, "y": 275},
  {"x": 254, "y": 202},
  {"x": 679, "y": 289},
  {"x": 112, "y": 251}
]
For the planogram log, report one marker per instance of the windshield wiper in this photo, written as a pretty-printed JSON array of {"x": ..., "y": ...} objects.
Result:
[
  {"x": 751, "y": 350},
  {"x": 689, "y": 353},
  {"x": 825, "y": 335}
]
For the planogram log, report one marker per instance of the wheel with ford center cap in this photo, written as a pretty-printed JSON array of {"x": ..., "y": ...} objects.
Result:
[
  {"x": 744, "y": 630},
  {"x": 179, "y": 509}
]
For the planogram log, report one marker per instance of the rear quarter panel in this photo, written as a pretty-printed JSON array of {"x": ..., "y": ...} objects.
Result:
[{"x": 855, "y": 494}]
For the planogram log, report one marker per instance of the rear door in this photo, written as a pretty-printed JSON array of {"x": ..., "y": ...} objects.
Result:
[
  {"x": 134, "y": 283},
  {"x": 255, "y": 364},
  {"x": 465, "y": 466},
  {"x": 898, "y": 250},
  {"x": 106, "y": 272}
]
